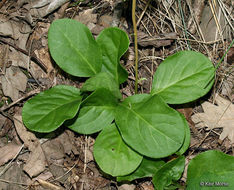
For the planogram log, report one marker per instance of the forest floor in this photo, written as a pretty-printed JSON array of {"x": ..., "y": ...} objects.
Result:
[{"x": 164, "y": 28}]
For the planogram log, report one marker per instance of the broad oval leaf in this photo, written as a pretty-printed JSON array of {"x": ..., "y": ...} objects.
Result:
[
  {"x": 113, "y": 43},
  {"x": 169, "y": 173},
  {"x": 150, "y": 126},
  {"x": 147, "y": 168},
  {"x": 211, "y": 169},
  {"x": 48, "y": 110},
  {"x": 73, "y": 48},
  {"x": 183, "y": 77},
  {"x": 102, "y": 80},
  {"x": 97, "y": 112},
  {"x": 113, "y": 156}
]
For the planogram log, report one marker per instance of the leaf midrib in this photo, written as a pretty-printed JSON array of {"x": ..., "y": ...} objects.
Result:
[
  {"x": 44, "y": 115},
  {"x": 149, "y": 124},
  {"x": 157, "y": 92},
  {"x": 78, "y": 52}
]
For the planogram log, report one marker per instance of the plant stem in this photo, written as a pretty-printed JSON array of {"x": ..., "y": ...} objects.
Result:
[
  {"x": 135, "y": 43},
  {"x": 185, "y": 28},
  {"x": 217, "y": 66}
]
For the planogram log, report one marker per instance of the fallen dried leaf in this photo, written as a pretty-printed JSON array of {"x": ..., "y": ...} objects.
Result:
[
  {"x": 54, "y": 150},
  {"x": 29, "y": 139},
  {"x": 197, "y": 7},
  {"x": 86, "y": 17},
  {"x": 127, "y": 187},
  {"x": 45, "y": 7},
  {"x": 37, "y": 161},
  {"x": 105, "y": 21},
  {"x": 44, "y": 176},
  {"x": 2, "y": 121},
  {"x": 228, "y": 84},
  {"x": 13, "y": 82},
  {"x": 6, "y": 28},
  {"x": 216, "y": 117},
  {"x": 8, "y": 152},
  {"x": 208, "y": 25},
  {"x": 147, "y": 186},
  {"x": 15, "y": 176}
]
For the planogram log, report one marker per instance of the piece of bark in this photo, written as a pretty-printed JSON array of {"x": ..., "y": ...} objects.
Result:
[{"x": 157, "y": 41}]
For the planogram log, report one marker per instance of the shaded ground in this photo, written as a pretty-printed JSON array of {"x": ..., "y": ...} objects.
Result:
[{"x": 63, "y": 159}]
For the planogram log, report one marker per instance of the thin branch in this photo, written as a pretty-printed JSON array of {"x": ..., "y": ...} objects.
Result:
[
  {"x": 31, "y": 93},
  {"x": 33, "y": 56}
]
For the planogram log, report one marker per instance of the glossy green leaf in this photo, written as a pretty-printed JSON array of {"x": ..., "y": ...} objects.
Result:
[
  {"x": 147, "y": 168},
  {"x": 183, "y": 77},
  {"x": 169, "y": 173},
  {"x": 113, "y": 43},
  {"x": 150, "y": 126},
  {"x": 97, "y": 112},
  {"x": 102, "y": 80},
  {"x": 113, "y": 156},
  {"x": 186, "y": 142},
  {"x": 211, "y": 170},
  {"x": 48, "y": 110},
  {"x": 73, "y": 48}
]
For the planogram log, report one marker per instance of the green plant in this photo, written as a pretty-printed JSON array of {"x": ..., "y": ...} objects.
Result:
[{"x": 136, "y": 132}]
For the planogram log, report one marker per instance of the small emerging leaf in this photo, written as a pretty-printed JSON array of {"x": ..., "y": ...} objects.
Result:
[
  {"x": 147, "y": 168},
  {"x": 211, "y": 169},
  {"x": 48, "y": 110},
  {"x": 113, "y": 156},
  {"x": 113, "y": 43},
  {"x": 150, "y": 126},
  {"x": 96, "y": 113},
  {"x": 73, "y": 48},
  {"x": 183, "y": 77},
  {"x": 169, "y": 173},
  {"x": 102, "y": 80}
]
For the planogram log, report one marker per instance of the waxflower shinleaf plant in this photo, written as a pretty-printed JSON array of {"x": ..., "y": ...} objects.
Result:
[{"x": 135, "y": 133}]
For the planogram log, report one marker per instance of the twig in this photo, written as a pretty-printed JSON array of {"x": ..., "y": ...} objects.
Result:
[
  {"x": 48, "y": 185},
  {"x": 212, "y": 8},
  {"x": 143, "y": 12},
  {"x": 184, "y": 39},
  {"x": 7, "y": 166},
  {"x": 85, "y": 154},
  {"x": 33, "y": 56},
  {"x": 225, "y": 14},
  {"x": 20, "y": 99},
  {"x": 135, "y": 43},
  {"x": 65, "y": 172}
]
